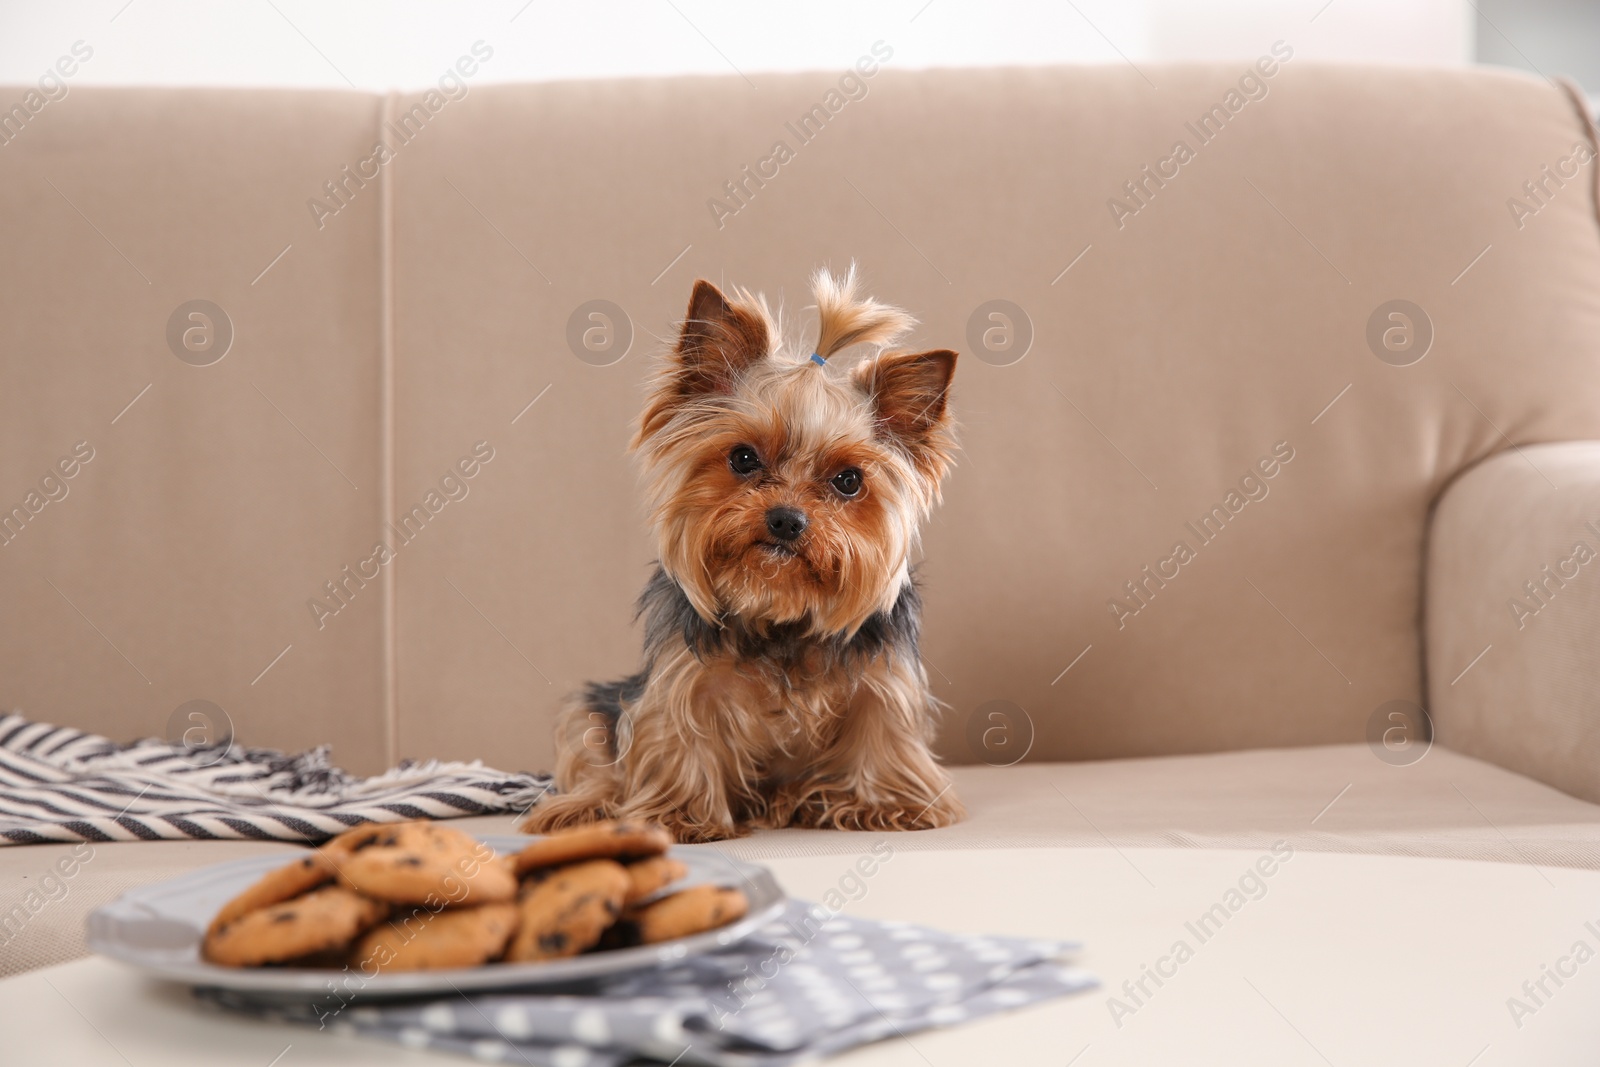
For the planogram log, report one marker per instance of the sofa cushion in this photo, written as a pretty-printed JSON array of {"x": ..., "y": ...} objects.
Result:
[
  {"x": 230, "y": 463},
  {"x": 1335, "y": 798},
  {"x": 1332, "y": 798}
]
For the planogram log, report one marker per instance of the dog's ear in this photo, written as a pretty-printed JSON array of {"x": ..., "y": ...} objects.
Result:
[
  {"x": 910, "y": 393},
  {"x": 719, "y": 341},
  {"x": 720, "y": 338}
]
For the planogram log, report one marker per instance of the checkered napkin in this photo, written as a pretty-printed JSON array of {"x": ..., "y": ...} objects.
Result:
[{"x": 806, "y": 985}]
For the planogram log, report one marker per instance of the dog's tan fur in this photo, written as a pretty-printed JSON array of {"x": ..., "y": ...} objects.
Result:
[{"x": 776, "y": 703}]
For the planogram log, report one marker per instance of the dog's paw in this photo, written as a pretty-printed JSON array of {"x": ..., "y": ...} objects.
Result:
[
  {"x": 561, "y": 813},
  {"x": 848, "y": 812},
  {"x": 688, "y": 831},
  {"x": 945, "y": 809}
]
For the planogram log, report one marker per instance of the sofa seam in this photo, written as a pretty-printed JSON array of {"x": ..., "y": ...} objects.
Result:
[{"x": 389, "y": 663}]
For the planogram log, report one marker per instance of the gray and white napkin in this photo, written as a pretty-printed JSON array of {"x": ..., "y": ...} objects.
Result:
[{"x": 809, "y": 984}]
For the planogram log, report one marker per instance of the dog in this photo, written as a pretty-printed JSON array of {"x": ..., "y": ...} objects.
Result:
[{"x": 781, "y": 683}]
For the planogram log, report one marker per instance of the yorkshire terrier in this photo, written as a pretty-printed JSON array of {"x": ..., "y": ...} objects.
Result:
[{"x": 781, "y": 683}]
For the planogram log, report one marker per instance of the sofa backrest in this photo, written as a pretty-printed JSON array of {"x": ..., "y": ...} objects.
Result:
[{"x": 1189, "y": 516}]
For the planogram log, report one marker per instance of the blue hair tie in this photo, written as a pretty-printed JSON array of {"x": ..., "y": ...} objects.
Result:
[{"x": 818, "y": 360}]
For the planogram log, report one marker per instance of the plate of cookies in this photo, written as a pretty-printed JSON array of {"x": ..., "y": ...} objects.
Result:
[{"x": 402, "y": 909}]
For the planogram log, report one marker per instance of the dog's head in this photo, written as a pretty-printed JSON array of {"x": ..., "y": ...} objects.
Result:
[{"x": 783, "y": 489}]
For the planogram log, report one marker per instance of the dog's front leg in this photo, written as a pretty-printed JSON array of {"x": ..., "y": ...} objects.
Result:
[
  {"x": 879, "y": 773},
  {"x": 687, "y": 760},
  {"x": 682, "y": 787}
]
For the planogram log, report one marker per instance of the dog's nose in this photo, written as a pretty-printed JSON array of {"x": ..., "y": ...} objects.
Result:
[{"x": 786, "y": 524}]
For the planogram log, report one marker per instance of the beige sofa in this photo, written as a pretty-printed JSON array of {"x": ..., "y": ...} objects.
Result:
[{"x": 1379, "y": 504}]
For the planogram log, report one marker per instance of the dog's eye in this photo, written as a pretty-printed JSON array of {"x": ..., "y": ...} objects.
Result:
[
  {"x": 848, "y": 482},
  {"x": 743, "y": 460}
]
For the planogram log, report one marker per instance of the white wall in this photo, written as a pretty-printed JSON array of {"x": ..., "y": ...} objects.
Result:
[{"x": 407, "y": 43}]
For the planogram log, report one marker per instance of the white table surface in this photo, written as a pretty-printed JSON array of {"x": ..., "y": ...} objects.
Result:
[{"x": 1346, "y": 961}]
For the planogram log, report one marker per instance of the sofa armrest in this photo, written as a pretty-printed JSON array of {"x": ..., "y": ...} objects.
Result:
[{"x": 1511, "y": 622}]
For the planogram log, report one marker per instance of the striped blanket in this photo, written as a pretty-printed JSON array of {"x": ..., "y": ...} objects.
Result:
[{"x": 60, "y": 784}]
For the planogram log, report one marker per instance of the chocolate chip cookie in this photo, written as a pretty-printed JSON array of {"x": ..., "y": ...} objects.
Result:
[
  {"x": 601, "y": 840},
  {"x": 421, "y": 863},
  {"x": 652, "y": 875},
  {"x": 323, "y": 920},
  {"x": 275, "y": 887},
  {"x": 423, "y": 940},
  {"x": 565, "y": 910},
  {"x": 689, "y": 911}
]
